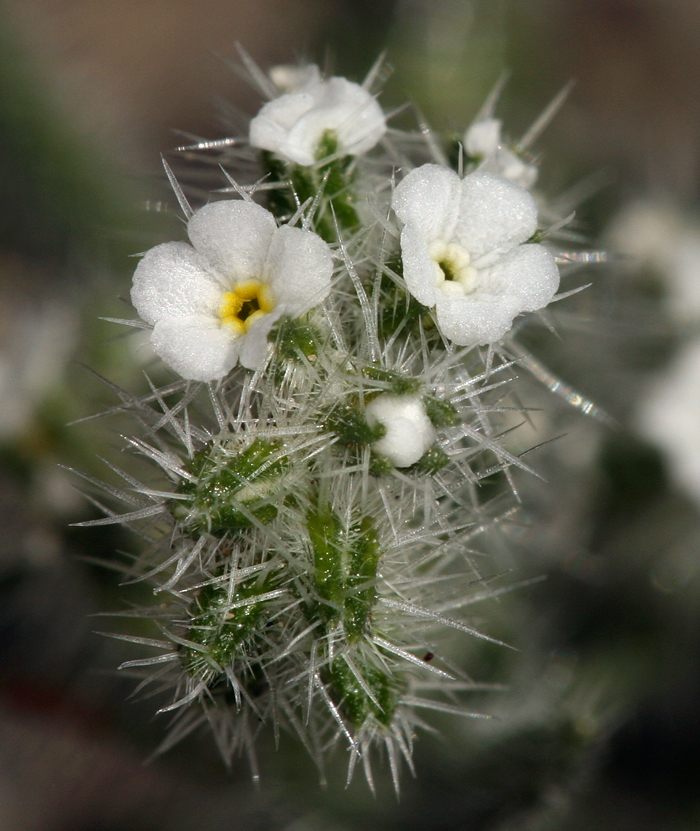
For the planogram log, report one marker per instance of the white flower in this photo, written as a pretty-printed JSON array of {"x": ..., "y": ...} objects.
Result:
[
  {"x": 409, "y": 431},
  {"x": 462, "y": 252},
  {"x": 294, "y": 124},
  {"x": 213, "y": 303},
  {"x": 670, "y": 417},
  {"x": 483, "y": 140}
]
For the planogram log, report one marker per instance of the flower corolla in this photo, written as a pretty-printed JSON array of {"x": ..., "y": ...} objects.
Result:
[
  {"x": 463, "y": 252},
  {"x": 409, "y": 431},
  {"x": 294, "y": 125},
  {"x": 213, "y": 303},
  {"x": 483, "y": 141}
]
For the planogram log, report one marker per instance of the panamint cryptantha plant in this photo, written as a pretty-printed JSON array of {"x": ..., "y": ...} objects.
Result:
[{"x": 339, "y": 329}]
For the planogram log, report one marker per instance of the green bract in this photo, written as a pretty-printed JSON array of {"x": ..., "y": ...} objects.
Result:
[{"x": 231, "y": 490}]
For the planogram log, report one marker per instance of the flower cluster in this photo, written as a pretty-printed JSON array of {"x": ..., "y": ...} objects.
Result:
[{"x": 334, "y": 416}]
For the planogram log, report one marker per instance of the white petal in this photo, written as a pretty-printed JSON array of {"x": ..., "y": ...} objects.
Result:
[
  {"x": 173, "y": 280},
  {"x": 475, "y": 318},
  {"x": 293, "y": 124},
  {"x": 361, "y": 122},
  {"x": 234, "y": 236},
  {"x": 196, "y": 347},
  {"x": 270, "y": 128},
  {"x": 347, "y": 109},
  {"x": 253, "y": 345},
  {"x": 528, "y": 274},
  {"x": 409, "y": 431},
  {"x": 429, "y": 198},
  {"x": 495, "y": 214},
  {"x": 418, "y": 266},
  {"x": 483, "y": 137},
  {"x": 298, "y": 268}
]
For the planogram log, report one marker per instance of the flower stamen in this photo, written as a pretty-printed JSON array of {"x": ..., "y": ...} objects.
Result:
[{"x": 249, "y": 301}]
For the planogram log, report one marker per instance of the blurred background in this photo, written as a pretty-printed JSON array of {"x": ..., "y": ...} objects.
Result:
[{"x": 601, "y": 724}]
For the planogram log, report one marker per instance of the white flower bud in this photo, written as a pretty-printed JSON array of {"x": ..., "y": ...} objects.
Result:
[
  {"x": 409, "y": 431},
  {"x": 483, "y": 138}
]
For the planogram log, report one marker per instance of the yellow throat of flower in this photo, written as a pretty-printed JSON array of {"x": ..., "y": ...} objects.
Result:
[
  {"x": 248, "y": 302},
  {"x": 454, "y": 274}
]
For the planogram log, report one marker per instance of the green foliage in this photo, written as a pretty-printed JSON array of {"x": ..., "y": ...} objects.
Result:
[
  {"x": 296, "y": 340},
  {"x": 396, "y": 382},
  {"x": 227, "y": 490},
  {"x": 363, "y": 555},
  {"x": 400, "y": 311},
  {"x": 348, "y": 422},
  {"x": 327, "y": 541},
  {"x": 345, "y": 570},
  {"x": 432, "y": 461},
  {"x": 355, "y": 701},
  {"x": 221, "y": 626},
  {"x": 441, "y": 412},
  {"x": 379, "y": 465},
  {"x": 332, "y": 176}
]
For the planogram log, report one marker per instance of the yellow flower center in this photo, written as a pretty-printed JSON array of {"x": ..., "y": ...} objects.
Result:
[
  {"x": 248, "y": 302},
  {"x": 454, "y": 274}
]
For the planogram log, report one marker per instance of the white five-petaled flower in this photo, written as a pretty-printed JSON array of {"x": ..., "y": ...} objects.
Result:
[
  {"x": 409, "y": 431},
  {"x": 294, "y": 124},
  {"x": 483, "y": 140},
  {"x": 213, "y": 303},
  {"x": 463, "y": 252}
]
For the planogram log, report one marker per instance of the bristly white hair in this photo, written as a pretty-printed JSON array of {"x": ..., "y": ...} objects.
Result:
[{"x": 306, "y": 569}]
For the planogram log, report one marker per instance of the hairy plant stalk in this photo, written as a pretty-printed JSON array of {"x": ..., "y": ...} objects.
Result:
[{"x": 344, "y": 329}]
